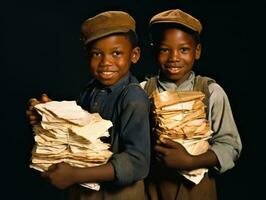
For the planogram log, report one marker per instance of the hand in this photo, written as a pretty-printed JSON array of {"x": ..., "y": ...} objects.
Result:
[
  {"x": 31, "y": 114},
  {"x": 174, "y": 155},
  {"x": 60, "y": 175}
]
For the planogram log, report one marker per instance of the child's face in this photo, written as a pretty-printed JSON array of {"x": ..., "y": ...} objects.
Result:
[
  {"x": 176, "y": 54},
  {"x": 110, "y": 58}
]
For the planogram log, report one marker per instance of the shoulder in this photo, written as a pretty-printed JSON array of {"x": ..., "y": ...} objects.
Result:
[
  {"x": 149, "y": 85},
  {"x": 216, "y": 88},
  {"x": 201, "y": 81},
  {"x": 134, "y": 91},
  {"x": 217, "y": 93},
  {"x": 135, "y": 96}
]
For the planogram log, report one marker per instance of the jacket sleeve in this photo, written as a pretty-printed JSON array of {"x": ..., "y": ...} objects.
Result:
[
  {"x": 226, "y": 142},
  {"x": 131, "y": 162}
]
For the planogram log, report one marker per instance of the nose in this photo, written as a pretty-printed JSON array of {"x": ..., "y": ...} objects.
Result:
[
  {"x": 174, "y": 56},
  {"x": 106, "y": 60}
]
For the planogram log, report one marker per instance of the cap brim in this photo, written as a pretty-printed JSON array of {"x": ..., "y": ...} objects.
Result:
[
  {"x": 173, "y": 22},
  {"x": 106, "y": 32}
]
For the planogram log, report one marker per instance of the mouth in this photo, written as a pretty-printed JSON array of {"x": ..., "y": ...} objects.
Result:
[
  {"x": 106, "y": 74},
  {"x": 173, "y": 70}
]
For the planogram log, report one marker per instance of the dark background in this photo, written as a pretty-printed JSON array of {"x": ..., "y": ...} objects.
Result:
[{"x": 40, "y": 52}]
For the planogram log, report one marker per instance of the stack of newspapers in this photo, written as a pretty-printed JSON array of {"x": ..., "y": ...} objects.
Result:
[
  {"x": 181, "y": 117},
  {"x": 69, "y": 134}
]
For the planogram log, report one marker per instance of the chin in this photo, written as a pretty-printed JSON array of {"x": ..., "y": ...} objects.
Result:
[{"x": 173, "y": 77}]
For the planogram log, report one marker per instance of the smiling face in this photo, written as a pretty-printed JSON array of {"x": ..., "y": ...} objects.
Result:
[
  {"x": 176, "y": 54},
  {"x": 110, "y": 58}
]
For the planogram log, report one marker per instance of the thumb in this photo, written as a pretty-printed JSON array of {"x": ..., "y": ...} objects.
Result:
[{"x": 45, "y": 98}]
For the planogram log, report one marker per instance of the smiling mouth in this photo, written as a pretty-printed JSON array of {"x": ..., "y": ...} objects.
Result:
[
  {"x": 106, "y": 75},
  {"x": 173, "y": 70}
]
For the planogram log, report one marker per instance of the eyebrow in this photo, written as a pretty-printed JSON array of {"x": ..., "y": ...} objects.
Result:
[
  {"x": 113, "y": 48},
  {"x": 180, "y": 44}
]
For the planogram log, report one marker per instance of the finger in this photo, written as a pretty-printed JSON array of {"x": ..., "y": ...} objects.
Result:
[
  {"x": 159, "y": 157},
  {"x": 28, "y": 113},
  {"x": 34, "y": 122},
  {"x": 31, "y": 108},
  {"x": 34, "y": 119},
  {"x": 169, "y": 143},
  {"x": 32, "y": 102},
  {"x": 160, "y": 149},
  {"x": 45, "y": 98},
  {"x": 31, "y": 113}
]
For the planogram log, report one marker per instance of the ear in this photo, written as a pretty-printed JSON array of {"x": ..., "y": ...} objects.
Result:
[
  {"x": 135, "y": 55},
  {"x": 198, "y": 51}
]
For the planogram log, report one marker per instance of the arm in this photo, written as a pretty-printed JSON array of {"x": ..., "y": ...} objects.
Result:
[
  {"x": 63, "y": 175},
  {"x": 225, "y": 142},
  {"x": 131, "y": 157}
]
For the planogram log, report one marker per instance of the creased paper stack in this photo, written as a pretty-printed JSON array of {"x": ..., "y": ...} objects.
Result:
[
  {"x": 68, "y": 133},
  {"x": 181, "y": 117}
]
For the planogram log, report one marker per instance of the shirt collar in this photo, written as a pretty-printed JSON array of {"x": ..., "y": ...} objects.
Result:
[
  {"x": 123, "y": 81},
  {"x": 169, "y": 85}
]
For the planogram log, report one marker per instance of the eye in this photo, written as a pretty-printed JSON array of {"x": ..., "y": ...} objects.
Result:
[
  {"x": 184, "y": 49},
  {"x": 116, "y": 53},
  {"x": 95, "y": 54},
  {"x": 163, "y": 50}
]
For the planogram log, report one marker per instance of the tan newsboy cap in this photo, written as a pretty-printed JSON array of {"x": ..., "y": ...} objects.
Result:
[
  {"x": 179, "y": 17},
  {"x": 106, "y": 23}
]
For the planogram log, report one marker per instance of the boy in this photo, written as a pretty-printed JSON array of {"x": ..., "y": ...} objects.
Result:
[
  {"x": 176, "y": 45},
  {"x": 110, "y": 43}
]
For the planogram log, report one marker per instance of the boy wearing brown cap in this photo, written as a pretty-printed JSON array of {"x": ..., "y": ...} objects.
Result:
[
  {"x": 176, "y": 45},
  {"x": 110, "y": 44}
]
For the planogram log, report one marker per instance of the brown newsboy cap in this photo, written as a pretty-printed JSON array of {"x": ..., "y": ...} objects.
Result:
[
  {"x": 106, "y": 23},
  {"x": 179, "y": 17}
]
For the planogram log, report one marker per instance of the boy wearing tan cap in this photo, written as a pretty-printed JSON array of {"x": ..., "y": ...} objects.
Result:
[
  {"x": 110, "y": 44},
  {"x": 176, "y": 46}
]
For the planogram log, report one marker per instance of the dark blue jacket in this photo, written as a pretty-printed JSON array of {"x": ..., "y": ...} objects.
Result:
[{"x": 127, "y": 106}]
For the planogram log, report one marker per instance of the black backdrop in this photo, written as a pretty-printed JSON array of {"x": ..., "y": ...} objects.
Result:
[{"x": 41, "y": 52}]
